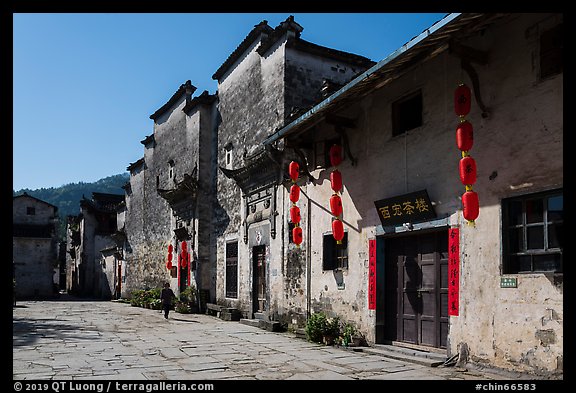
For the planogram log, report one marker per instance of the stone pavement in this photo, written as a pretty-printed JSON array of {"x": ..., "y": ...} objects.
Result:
[{"x": 74, "y": 339}]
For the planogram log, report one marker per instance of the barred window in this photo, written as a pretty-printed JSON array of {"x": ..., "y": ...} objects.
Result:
[
  {"x": 335, "y": 256},
  {"x": 533, "y": 233},
  {"x": 232, "y": 269}
]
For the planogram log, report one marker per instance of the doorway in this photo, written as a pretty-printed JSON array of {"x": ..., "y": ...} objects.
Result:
[
  {"x": 416, "y": 289},
  {"x": 259, "y": 278}
]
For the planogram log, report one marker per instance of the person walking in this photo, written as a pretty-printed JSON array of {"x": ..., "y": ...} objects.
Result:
[{"x": 166, "y": 297}]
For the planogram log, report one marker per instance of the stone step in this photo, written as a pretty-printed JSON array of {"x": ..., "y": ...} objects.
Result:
[
  {"x": 413, "y": 355},
  {"x": 271, "y": 326}
]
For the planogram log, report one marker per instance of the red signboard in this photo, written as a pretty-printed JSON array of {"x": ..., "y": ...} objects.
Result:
[
  {"x": 372, "y": 274},
  {"x": 453, "y": 271}
]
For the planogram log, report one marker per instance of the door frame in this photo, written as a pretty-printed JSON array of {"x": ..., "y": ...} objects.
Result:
[{"x": 383, "y": 318}]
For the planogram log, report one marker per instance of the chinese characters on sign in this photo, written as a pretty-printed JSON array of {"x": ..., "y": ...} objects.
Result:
[
  {"x": 453, "y": 271},
  {"x": 406, "y": 208},
  {"x": 372, "y": 274}
]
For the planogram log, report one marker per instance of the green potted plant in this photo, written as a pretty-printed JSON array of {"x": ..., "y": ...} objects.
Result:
[{"x": 315, "y": 327}]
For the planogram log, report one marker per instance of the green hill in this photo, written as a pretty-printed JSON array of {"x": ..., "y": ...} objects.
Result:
[{"x": 67, "y": 197}]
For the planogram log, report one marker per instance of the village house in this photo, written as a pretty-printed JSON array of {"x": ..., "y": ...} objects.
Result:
[
  {"x": 413, "y": 268},
  {"x": 34, "y": 246},
  {"x": 94, "y": 247}
]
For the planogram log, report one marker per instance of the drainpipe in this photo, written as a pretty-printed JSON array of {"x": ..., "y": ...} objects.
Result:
[{"x": 308, "y": 256}]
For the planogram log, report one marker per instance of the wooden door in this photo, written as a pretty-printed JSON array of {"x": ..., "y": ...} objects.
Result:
[
  {"x": 416, "y": 289},
  {"x": 259, "y": 278}
]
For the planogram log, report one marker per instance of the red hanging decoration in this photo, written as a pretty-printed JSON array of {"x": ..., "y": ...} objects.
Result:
[
  {"x": 293, "y": 170},
  {"x": 295, "y": 214},
  {"x": 470, "y": 205},
  {"x": 184, "y": 246},
  {"x": 462, "y": 100},
  {"x": 468, "y": 170},
  {"x": 297, "y": 235},
  {"x": 169, "y": 265},
  {"x": 464, "y": 141},
  {"x": 335, "y": 155},
  {"x": 294, "y": 193},
  {"x": 338, "y": 231},
  {"x": 336, "y": 180},
  {"x": 336, "y": 205},
  {"x": 464, "y": 136}
]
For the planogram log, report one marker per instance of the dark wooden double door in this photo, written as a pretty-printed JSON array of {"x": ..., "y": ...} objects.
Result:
[{"x": 416, "y": 289}]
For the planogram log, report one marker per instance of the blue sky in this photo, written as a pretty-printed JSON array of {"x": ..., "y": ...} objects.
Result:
[{"x": 85, "y": 84}]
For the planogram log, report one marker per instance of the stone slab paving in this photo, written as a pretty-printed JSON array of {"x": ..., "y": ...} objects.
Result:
[{"x": 72, "y": 339}]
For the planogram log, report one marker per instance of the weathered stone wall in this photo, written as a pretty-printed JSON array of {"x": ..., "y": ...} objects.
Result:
[
  {"x": 33, "y": 257},
  {"x": 33, "y": 267}
]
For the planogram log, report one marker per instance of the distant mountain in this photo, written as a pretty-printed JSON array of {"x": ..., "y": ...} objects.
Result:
[{"x": 67, "y": 197}]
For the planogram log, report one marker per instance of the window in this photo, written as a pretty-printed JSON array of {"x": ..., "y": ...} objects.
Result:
[
  {"x": 335, "y": 256},
  {"x": 407, "y": 113},
  {"x": 322, "y": 152},
  {"x": 551, "y": 51},
  {"x": 171, "y": 174},
  {"x": 291, "y": 226},
  {"x": 533, "y": 233},
  {"x": 228, "y": 150},
  {"x": 30, "y": 211},
  {"x": 232, "y": 269}
]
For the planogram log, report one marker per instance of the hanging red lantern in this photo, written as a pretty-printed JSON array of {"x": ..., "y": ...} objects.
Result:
[
  {"x": 470, "y": 205},
  {"x": 170, "y": 248},
  {"x": 294, "y": 193},
  {"x": 293, "y": 170},
  {"x": 335, "y": 155},
  {"x": 184, "y": 245},
  {"x": 297, "y": 235},
  {"x": 336, "y": 180},
  {"x": 169, "y": 265},
  {"x": 462, "y": 100},
  {"x": 464, "y": 136},
  {"x": 468, "y": 170},
  {"x": 338, "y": 231},
  {"x": 336, "y": 205},
  {"x": 295, "y": 214}
]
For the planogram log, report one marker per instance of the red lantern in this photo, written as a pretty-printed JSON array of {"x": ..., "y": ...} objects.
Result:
[
  {"x": 335, "y": 155},
  {"x": 170, "y": 248},
  {"x": 464, "y": 136},
  {"x": 169, "y": 265},
  {"x": 293, "y": 170},
  {"x": 336, "y": 205},
  {"x": 294, "y": 193},
  {"x": 297, "y": 235},
  {"x": 336, "y": 180},
  {"x": 470, "y": 205},
  {"x": 338, "y": 231},
  {"x": 184, "y": 245},
  {"x": 468, "y": 170},
  {"x": 462, "y": 100},
  {"x": 295, "y": 214}
]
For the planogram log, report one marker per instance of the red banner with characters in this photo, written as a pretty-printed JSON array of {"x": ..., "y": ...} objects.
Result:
[
  {"x": 372, "y": 274},
  {"x": 453, "y": 271}
]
